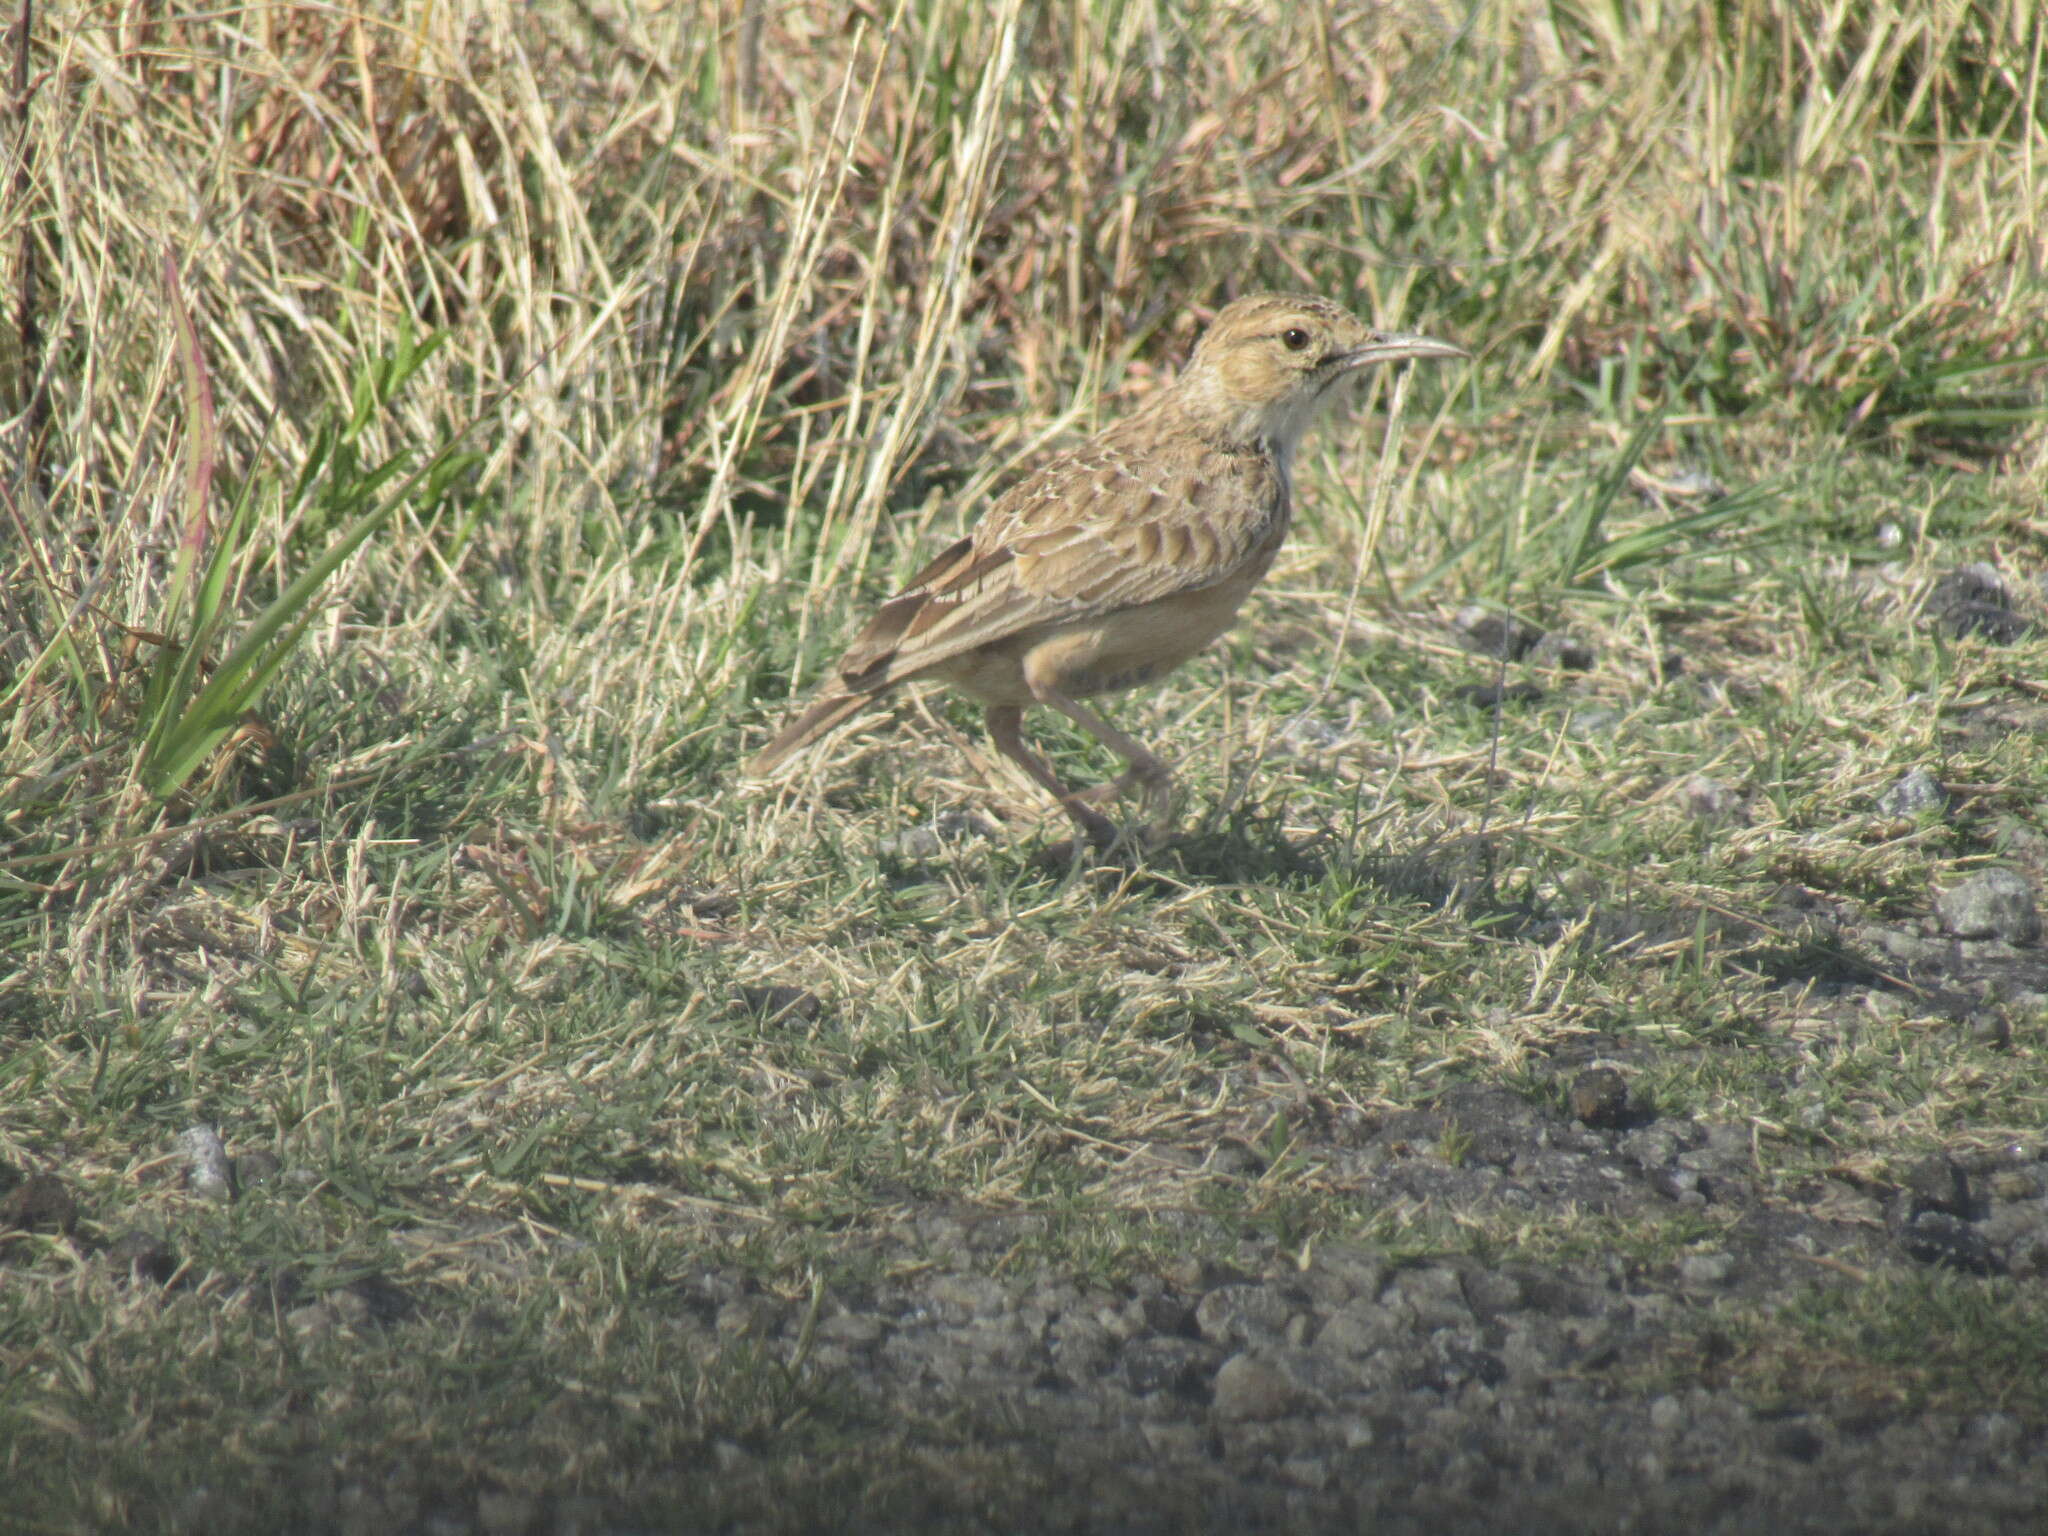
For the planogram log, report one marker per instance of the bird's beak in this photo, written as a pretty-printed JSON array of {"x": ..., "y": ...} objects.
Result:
[{"x": 1395, "y": 347}]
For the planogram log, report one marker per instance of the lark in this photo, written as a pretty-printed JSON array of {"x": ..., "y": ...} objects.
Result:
[{"x": 1119, "y": 560}]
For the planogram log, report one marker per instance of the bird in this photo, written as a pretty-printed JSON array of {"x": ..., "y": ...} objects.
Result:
[{"x": 1119, "y": 559}]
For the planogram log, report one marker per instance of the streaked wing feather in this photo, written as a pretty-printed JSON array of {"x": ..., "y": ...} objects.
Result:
[{"x": 1083, "y": 537}]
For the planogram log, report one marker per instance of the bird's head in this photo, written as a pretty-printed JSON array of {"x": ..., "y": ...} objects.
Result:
[{"x": 1267, "y": 362}]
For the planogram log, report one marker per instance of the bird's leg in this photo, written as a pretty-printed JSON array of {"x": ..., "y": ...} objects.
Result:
[
  {"x": 1152, "y": 777},
  {"x": 1003, "y": 723}
]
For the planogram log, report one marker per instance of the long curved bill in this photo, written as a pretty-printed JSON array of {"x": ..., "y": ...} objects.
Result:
[{"x": 1398, "y": 346}]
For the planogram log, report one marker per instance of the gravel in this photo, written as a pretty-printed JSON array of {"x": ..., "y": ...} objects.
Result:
[{"x": 1341, "y": 1385}]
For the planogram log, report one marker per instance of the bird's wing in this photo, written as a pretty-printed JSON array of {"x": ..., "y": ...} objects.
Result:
[{"x": 1095, "y": 531}]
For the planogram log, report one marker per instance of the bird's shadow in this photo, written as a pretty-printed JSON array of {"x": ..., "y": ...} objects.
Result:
[{"x": 1254, "y": 847}]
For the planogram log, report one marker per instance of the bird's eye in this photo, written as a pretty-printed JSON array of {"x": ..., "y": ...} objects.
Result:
[{"x": 1295, "y": 338}]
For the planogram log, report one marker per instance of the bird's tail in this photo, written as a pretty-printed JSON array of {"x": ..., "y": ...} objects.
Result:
[{"x": 823, "y": 716}]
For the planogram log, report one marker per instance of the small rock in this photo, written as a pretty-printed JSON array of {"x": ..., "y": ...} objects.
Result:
[
  {"x": 2013, "y": 1229},
  {"x": 1975, "y": 600},
  {"x": 1494, "y": 634},
  {"x": 1901, "y": 945},
  {"x": 40, "y": 1200},
  {"x": 1709, "y": 799},
  {"x": 207, "y": 1169},
  {"x": 2017, "y": 837},
  {"x": 1342, "y": 1270},
  {"x": 1600, "y": 1098},
  {"x": 1917, "y": 791},
  {"x": 1667, "y": 1413},
  {"x": 1565, "y": 652},
  {"x": 2024, "y": 1183},
  {"x": 1168, "y": 1364},
  {"x": 929, "y": 840},
  {"x": 1991, "y": 904},
  {"x": 969, "y": 1295},
  {"x": 1154, "y": 1309},
  {"x": 1311, "y": 1472},
  {"x": 1457, "y": 1366},
  {"x": 1704, "y": 1271},
  {"x": 1253, "y": 1387},
  {"x": 1189, "y": 1272},
  {"x": 1489, "y": 1293},
  {"x": 855, "y": 1330},
  {"x": 2028, "y": 1256},
  {"x": 1239, "y": 1314},
  {"x": 1359, "y": 1328},
  {"x": 1433, "y": 1296},
  {"x": 1654, "y": 1147},
  {"x": 142, "y": 1256},
  {"x": 1080, "y": 1348},
  {"x": 1976, "y": 951}
]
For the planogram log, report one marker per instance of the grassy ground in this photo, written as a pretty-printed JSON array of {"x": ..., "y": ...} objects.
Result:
[{"x": 599, "y": 363}]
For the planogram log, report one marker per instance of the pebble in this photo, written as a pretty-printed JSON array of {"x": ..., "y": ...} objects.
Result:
[
  {"x": 1600, "y": 1098},
  {"x": 1494, "y": 634},
  {"x": 1991, "y": 904},
  {"x": 1918, "y": 791},
  {"x": 929, "y": 840},
  {"x": 1709, "y": 799},
  {"x": 207, "y": 1169},
  {"x": 1705, "y": 1270},
  {"x": 1909, "y": 947},
  {"x": 1312, "y": 1472},
  {"x": 969, "y": 1294},
  {"x": 1237, "y": 1314},
  {"x": 1434, "y": 1297},
  {"x": 38, "y": 1201},
  {"x": 1975, "y": 600},
  {"x": 854, "y": 1329},
  {"x": 1168, "y": 1364},
  {"x": 142, "y": 1256},
  {"x": 1565, "y": 652},
  {"x": 1254, "y": 1387}
]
